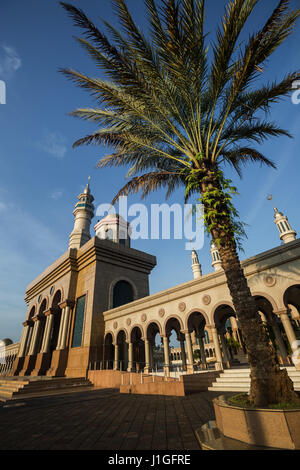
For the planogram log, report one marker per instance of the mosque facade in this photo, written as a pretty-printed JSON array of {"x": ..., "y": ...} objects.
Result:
[{"x": 91, "y": 308}]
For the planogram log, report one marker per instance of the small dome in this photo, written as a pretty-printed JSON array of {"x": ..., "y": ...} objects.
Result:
[
  {"x": 6, "y": 342},
  {"x": 277, "y": 213},
  {"x": 113, "y": 217}
]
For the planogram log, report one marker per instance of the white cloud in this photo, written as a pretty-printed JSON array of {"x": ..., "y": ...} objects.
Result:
[
  {"x": 2, "y": 206},
  {"x": 56, "y": 194},
  {"x": 10, "y": 61},
  {"x": 26, "y": 249},
  {"x": 54, "y": 144}
]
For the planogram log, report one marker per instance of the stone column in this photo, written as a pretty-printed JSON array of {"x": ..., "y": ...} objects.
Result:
[
  {"x": 61, "y": 327},
  {"x": 151, "y": 345},
  {"x": 48, "y": 329},
  {"x": 235, "y": 330},
  {"x": 35, "y": 335},
  {"x": 282, "y": 349},
  {"x": 116, "y": 358},
  {"x": 65, "y": 329},
  {"x": 219, "y": 364},
  {"x": 183, "y": 355},
  {"x": 166, "y": 356},
  {"x": 147, "y": 356},
  {"x": 202, "y": 352},
  {"x": 190, "y": 366},
  {"x": 283, "y": 314},
  {"x": 295, "y": 314},
  {"x": 24, "y": 339},
  {"x": 225, "y": 351},
  {"x": 130, "y": 357},
  {"x": 66, "y": 307}
]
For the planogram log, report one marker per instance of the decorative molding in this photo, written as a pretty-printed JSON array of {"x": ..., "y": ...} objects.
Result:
[
  {"x": 161, "y": 312},
  {"x": 269, "y": 280},
  {"x": 52, "y": 311},
  {"x": 144, "y": 317},
  {"x": 37, "y": 317},
  {"x": 115, "y": 325},
  {"x": 128, "y": 322},
  {"x": 67, "y": 303},
  {"x": 206, "y": 299},
  {"x": 182, "y": 306}
]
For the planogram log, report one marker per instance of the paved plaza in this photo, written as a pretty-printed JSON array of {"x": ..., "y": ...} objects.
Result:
[{"x": 104, "y": 419}]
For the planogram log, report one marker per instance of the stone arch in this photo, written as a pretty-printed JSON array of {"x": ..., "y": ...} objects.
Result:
[
  {"x": 112, "y": 287},
  {"x": 31, "y": 311},
  {"x": 224, "y": 302},
  {"x": 136, "y": 338},
  {"x": 122, "y": 344},
  {"x": 110, "y": 332},
  {"x": 196, "y": 310},
  {"x": 125, "y": 332},
  {"x": 291, "y": 295},
  {"x": 274, "y": 327},
  {"x": 196, "y": 323},
  {"x": 268, "y": 297},
  {"x": 42, "y": 320},
  {"x": 136, "y": 325},
  {"x": 57, "y": 298},
  {"x": 264, "y": 305},
  {"x": 222, "y": 311},
  {"x": 43, "y": 306},
  {"x": 109, "y": 350},
  {"x": 175, "y": 317},
  {"x": 156, "y": 322}
]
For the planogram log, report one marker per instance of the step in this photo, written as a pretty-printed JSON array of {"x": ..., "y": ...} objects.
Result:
[
  {"x": 233, "y": 380},
  {"x": 235, "y": 376},
  {"x": 7, "y": 381},
  {"x": 43, "y": 386},
  {"x": 236, "y": 371},
  {"x": 228, "y": 389},
  {"x": 238, "y": 379},
  {"x": 12, "y": 389}
]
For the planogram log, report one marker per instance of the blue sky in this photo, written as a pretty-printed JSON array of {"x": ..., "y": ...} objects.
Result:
[{"x": 41, "y": 175}]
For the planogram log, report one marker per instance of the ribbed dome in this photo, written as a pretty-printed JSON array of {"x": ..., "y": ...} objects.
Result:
[{"x": 6, "y": 342}]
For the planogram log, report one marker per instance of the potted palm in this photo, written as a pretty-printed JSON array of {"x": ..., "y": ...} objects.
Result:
[{"x": 176, "y": 114}]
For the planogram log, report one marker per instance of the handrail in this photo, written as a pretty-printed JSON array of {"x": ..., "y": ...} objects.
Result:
[{"x": 7, "y": 365}]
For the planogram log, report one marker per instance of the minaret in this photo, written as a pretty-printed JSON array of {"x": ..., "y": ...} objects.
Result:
[
  {"x": 196, "y": 266},
  {"x": 217, "y": 264},
  {"x": 114, "y": 228},
  {"x": 83, "y": 212},
  {"x": 287, "y": 234}
]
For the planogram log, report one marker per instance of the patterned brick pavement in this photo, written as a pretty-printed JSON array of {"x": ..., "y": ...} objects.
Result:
[{"x": 104, "y": 420}]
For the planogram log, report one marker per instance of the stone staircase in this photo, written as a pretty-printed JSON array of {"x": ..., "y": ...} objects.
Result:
[
  {"x": 12, "y": 388},
  {"x": 238, "y": 380}
]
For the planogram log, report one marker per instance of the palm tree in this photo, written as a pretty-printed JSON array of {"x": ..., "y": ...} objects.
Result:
[{"x": 177, "y": 112}]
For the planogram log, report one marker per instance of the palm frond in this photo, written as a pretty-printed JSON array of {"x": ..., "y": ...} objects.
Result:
[{"x": 148, "y": 183}]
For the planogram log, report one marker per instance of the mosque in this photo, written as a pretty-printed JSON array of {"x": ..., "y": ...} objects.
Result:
[{"x": 91, "y": 308}]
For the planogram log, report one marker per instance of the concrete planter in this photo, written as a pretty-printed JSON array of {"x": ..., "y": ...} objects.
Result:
[{"x": 260, "y": 427}]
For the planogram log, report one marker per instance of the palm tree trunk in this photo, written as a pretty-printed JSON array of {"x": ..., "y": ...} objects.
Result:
[{"x": 269, "y": 384}]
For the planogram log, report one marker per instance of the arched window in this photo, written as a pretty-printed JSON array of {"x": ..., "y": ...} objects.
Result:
[
  {"x": 206, "y": 337},
  {"x": 122, "y": 237},
  {"x": 78, "y": 322},
  {"x": 109, "y": 234},
  {"x": 283, "y": 227},
  {"x": 32, "y": 312},
  {"x": 122, "y": 294}
]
